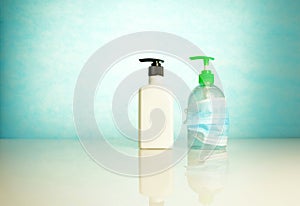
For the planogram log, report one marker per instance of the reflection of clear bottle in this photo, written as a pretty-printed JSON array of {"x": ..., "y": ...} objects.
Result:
[
  {"x": 160, "y": 185},
  {"x": 206, "y": 173},
  {"x": 155, "y": 110},
  {"x": 207, "y": 117}
]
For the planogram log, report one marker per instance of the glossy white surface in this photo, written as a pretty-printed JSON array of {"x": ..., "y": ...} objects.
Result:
[{"x": 59, "y": 172}]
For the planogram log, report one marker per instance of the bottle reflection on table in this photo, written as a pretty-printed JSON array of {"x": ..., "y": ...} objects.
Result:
[
  {"x": 206, "y": 172},
  {"x": 156, "y": 179}
]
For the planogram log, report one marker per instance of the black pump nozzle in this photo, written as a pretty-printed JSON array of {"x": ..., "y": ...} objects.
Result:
[
  {"x": 155, "y": 62},
  {"x": 155, "y": 68}
]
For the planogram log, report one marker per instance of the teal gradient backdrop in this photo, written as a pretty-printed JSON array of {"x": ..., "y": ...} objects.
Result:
[{"x": 44, "y": 45}]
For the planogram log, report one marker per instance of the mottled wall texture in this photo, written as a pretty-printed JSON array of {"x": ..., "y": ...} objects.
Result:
[{"x": 44, "y": 45}]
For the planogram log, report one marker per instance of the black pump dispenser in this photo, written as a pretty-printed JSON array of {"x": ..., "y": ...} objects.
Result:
[{"x": 155, "y": 68}]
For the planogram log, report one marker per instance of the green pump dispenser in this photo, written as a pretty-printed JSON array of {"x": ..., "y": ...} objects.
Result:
[{"x": 206, "y": 78}]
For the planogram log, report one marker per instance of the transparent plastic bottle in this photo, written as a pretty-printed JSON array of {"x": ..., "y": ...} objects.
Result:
[{"x": 207, "y": 116}]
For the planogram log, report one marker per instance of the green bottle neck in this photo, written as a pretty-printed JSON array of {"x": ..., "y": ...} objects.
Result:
[{"x": 206, "y": 78}]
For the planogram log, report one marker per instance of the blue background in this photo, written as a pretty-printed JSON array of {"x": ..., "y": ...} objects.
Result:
[{"x": 44, "y": 45}]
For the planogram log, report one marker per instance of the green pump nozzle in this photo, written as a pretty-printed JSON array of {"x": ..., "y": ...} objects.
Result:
[{"x": 206, "y": 78}]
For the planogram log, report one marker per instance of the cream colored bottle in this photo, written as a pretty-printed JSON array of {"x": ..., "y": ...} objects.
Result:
[{"x": 155, "y": 110}]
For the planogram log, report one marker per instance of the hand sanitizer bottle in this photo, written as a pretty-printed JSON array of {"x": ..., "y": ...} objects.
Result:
[
  {"x": 207, "y": 117},
  {"x": 155, "y": 110}
]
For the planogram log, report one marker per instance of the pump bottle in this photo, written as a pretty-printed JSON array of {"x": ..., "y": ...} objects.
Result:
[
  {"x": 207, "y": 116},
  {"x": 155, "y": 110}
]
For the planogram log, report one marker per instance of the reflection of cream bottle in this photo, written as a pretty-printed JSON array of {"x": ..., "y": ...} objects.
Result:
[
  {"x": 159, "y": 186},
  {"x": 206, "y": 173},
  {"x": 155, "y": 110}
]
